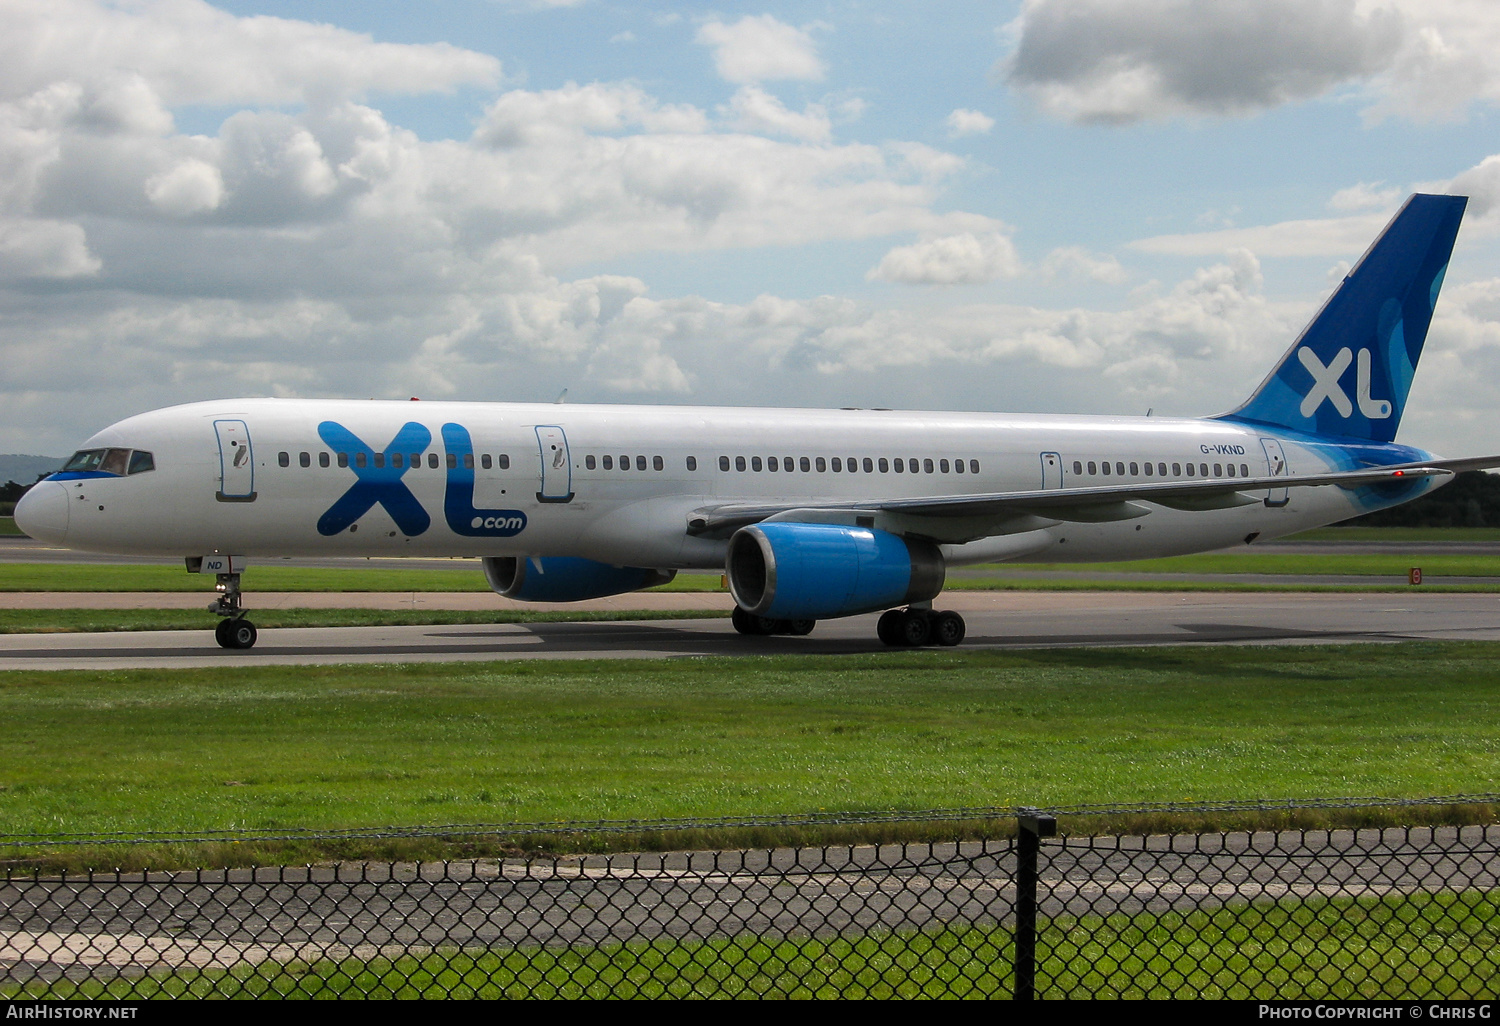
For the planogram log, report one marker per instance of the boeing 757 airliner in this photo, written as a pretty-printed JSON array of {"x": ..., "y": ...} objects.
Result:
[{"x": 812, "y": 514}]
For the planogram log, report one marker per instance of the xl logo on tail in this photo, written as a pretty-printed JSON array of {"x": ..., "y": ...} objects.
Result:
[{"x": 1326, "y": 384}]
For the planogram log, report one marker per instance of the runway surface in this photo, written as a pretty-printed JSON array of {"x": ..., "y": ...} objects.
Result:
[{"x": 996, "y": 620}]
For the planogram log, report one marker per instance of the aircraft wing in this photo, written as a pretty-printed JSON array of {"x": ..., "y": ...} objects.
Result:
[{"x": 1094, "y": 504}]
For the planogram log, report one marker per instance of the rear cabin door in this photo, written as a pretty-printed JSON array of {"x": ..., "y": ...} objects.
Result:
[
  {"x": 236, "y": 462},
  {"x": 557, "y": 467},
  {"x": 1052, "y": 474},
  {"x": 1276, "y": 467}
]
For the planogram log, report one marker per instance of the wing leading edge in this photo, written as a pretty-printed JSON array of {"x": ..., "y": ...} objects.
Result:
[{"x": 1079, "y": 505}]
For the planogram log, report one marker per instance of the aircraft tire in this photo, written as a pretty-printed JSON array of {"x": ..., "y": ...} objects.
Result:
[
  {"x": 799, "y": 628},
  {"x": 948, "y": 629},
  {"x": 742, "y": 621},
  {"x": 241, "y": 633},
  {"x": 221, "y": 634},
  {"x": 888, "y": 627},
  {"x": 915, "y": 628}
]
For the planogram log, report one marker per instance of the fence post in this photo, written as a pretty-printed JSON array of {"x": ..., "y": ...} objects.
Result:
[{"x": 1032, "y": 826}]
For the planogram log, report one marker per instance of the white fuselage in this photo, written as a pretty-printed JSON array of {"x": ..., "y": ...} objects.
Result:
[{"x": 565, "y": 480}]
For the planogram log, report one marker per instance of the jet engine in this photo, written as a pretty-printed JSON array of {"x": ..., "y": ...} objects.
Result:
[
  {"x": 791, "y": 571},
  {"x": 566, "y": 578}
]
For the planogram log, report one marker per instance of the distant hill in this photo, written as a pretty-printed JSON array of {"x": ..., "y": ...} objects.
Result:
[{"x": 24, "y": 469}]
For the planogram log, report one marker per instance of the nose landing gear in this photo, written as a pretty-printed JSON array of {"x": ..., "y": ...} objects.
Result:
[{"x": 234, "y": 631}]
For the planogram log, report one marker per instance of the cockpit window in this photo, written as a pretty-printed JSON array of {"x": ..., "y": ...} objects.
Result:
[
  {"x": 110, "y": 461},
  {"x": 85, "y": 460}
]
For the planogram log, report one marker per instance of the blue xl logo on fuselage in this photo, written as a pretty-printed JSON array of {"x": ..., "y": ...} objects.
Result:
[{"x": 379, "y": 481}]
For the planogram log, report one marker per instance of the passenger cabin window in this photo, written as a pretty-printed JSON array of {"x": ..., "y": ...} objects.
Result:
[
  {"x": 958, "y": 466},
  {"x": 284, "y": 459},
  {"x": 343, "y": 459},
  {"x": 739, "y": 463},
  {"x": 589, "y": 462},
  {"x": 485, "y": 461},
  {"x": 692, "y": 463},
  {"x": 821, "y": 464},
  {"x": 322, "y": 459},
  {"x": 838, "y": 465},
  {"x": 304, "y": 459},
  {"x": 640, "y": 463},
  {"x": 885, "y": 466},
  {"x": 724, "y": 463},
  {"x": 360, "y": 459},
  {"x": 869, "y": 465},
  {"x": 755, "y": 463},
  {"x": 398, "y": 460},
  {"x": 771, "y": 463},
  {"x": 609, "y": 463},
  {"x": 658, "y": 464}
]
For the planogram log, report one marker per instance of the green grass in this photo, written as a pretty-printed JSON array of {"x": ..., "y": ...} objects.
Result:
[
  {"x": 344, "y": 746},
  {"x": 63, "y": 621},
  {"x": 115, "y": 577},
  {"x": 1427, "y": 534},
  {"x": 1408, "y": 947},
  {"x": 8, "y": 526}
]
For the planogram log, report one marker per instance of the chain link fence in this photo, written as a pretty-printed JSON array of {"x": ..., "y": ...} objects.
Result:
[{"x": 1408, "y": 911}]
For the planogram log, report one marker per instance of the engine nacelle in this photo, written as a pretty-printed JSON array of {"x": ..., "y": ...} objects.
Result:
[
  {"x": 566, "y": 578},
  {"x": 791, "y": 571}
]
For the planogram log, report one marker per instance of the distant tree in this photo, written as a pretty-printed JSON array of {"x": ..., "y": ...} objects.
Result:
[{"x": 1471, "y": 500}]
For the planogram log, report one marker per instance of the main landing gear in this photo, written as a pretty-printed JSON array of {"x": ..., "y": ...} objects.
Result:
[
  {"x": 912, "y": 628},
  {"x": 234, "y": 631},
  {"x": 749, "y": 623},
  {"x": 899, "y": 628}
]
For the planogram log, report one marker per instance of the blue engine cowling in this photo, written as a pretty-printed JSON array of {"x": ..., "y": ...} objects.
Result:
[
  {"x": 790, "y": 571},
  {"x": 566, "y": 578}
]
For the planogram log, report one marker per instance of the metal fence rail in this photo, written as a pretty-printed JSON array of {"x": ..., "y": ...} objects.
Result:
[{"x": 1389, "y": 912}]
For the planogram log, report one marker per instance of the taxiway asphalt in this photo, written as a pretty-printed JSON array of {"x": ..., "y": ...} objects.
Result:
[{"x": 996, "y": 620}]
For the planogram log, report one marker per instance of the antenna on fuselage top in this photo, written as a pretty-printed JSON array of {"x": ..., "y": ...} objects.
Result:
[
  {"x": 1149, "y": 409},
  {"x": 562, "y": 397}
]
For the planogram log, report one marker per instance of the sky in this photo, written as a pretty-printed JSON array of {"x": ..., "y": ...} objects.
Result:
[{"x": 1062, "y": 206}]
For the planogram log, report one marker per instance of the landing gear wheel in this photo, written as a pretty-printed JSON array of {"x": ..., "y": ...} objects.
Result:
[
  {"x": 915, "y": 628},
  {"x": 800, "y": 627},
  {"x": 948, "y": 629},
  {"x": 749, "y": 623},
  {"x": 888, "y": 628},
  {"x": 238, "y": 633}
]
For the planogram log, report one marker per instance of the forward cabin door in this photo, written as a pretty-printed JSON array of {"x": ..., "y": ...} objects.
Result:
[
  {"x": 1052, "y": 474},
  {"x": 236, "y": 462},
  {"x": 1276, "y": 467},
  {"x": 557, "y": 467}
]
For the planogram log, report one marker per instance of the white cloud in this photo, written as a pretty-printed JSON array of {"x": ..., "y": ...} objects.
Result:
[
  {"x": 521, "y": 117},
  {"x": 1318, "y": 237},
  {"x": 1102, "y": 61},
  {"x": 968, "y": 122},
  {"x": 32, "y": 248},
  {"x": 1077, "y": 262},
  {"x": 1364, "y": 196},
  {"x": 191, "y": 187},
  {"x": 759, "y": 48},
  {"x": 752, "y": 109},
  {"x": 1481, "y": 183},
  {"x": 185, "y": 51},
  {"x": 965, "y": 259}
]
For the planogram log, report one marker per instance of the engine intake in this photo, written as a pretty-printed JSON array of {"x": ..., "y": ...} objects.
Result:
[
  {"x": 793, "y": 571},
  {"x": 566, "y": 578}
]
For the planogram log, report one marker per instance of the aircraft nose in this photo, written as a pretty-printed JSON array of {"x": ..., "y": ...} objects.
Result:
[{"x": 43, "y": 512}]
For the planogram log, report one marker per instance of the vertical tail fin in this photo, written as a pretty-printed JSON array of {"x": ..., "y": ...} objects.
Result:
[{"x": 1349, "y": 372}]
